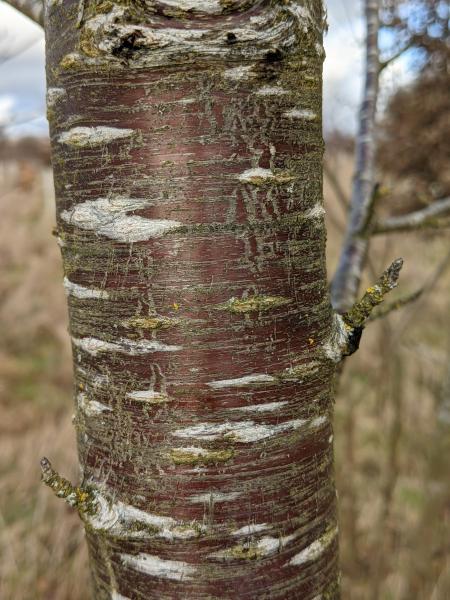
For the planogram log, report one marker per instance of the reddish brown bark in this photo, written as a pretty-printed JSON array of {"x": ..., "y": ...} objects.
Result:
[{"x": 203, "y": 334}]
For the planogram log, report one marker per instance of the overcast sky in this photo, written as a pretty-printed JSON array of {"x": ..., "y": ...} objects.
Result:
[{"x": 22, "y": 73}]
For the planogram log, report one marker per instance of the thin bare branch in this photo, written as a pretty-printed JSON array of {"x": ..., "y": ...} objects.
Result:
[
  {"x": 77, "y": 497},
  {"x": 336, "y": 186},
  {"x": 359, "y": 314},
  {"x": 33, "y": 9},
  {"x": 429, "y": 286},
  {"x": 354, "y": 320},
  {"x": 428, "y": 217},
  {"x": 388, "y": 61},
  {"x": 346, "y": 281},
  {"x": 389, "y": 307}
]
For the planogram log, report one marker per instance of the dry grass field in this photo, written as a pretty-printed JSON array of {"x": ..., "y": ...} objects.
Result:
[{"x": 392, "y": 430}]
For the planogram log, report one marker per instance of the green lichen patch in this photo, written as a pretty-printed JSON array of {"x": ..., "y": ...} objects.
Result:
[
  {"x": 279, "y": 177},
  {"x": 149, "y": 397},
  {"x": 254, "y": 304},
  {"x": 188, "y": 531},
  {"x": 102, "y": 7},
  {"x": 81, "y": 499},
  {"x": 71, "y": 61},
  {"x": 329, "y": 536},
  {"x": 300, "y": 372},
  {"x": 180, "y": 456},
  {"x": 152, "y": 323},
  {"x": 244, "y": 552},
  {"x": 140, "y": 527},
  {"x": 374, "y": 295}
]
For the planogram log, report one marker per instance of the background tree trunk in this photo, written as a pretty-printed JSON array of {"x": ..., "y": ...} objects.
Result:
[{"x": 187, "y": 151}]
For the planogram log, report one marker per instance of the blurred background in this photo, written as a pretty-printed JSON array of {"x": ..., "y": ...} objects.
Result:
[{"x": 393, "y": 405}]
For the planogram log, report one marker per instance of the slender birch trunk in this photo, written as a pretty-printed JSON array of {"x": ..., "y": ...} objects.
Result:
[
  {"x": 187, "y": 150},
  {"x": 353, "y": 256}
]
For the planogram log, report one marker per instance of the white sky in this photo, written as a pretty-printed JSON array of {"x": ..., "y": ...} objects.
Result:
[{"x": 22, "y": 71}]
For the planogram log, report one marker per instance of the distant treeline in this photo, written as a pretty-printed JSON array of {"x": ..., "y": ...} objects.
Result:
[{"x": 30, "y": 149}]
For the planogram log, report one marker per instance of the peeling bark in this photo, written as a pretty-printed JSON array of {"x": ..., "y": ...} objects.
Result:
[{"x": 187, "y": 151}]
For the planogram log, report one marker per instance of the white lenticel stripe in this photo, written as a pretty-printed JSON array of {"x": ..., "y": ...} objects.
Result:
[
  {"x": 123, "y": 346},
  {"x": 109, "y": 217},
  {"x": 158, "y": 567},
  {"x": 83, "y": 137},
  {"x": 82, "y": 292},
  {"x": 241, "y": 431},
  {"x": 242, "y": 381}
]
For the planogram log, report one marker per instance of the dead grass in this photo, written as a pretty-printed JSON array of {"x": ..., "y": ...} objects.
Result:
[
  {"x": 42, "y": 546},
  {"x": 391, "y": 450},
  {"x": 392, "y": 476}
]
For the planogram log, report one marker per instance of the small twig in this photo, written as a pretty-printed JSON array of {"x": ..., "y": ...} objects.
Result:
[
  {"x": 388, "y": 61},
  {"x": 361, "y": 311},
  {"x": 83, "y": 500},
  {"x": 420, "y": 219},
  {"x": 354, "y": 320}
]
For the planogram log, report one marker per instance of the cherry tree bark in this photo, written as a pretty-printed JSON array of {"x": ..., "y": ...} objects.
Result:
[{"x": 187, "y": 151}]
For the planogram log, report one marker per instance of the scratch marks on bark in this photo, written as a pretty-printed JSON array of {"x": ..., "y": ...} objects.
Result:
[{"x": 109, "y": 217}]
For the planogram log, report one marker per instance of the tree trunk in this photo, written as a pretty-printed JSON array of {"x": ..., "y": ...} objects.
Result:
[{"x": 187, "y": 150}]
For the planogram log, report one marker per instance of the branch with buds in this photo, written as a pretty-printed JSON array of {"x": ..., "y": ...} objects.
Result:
[
  {"x": 358, "y": 316},
  {"x": 433, "y": 216},
  {"x": 81, "y": 499}
]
